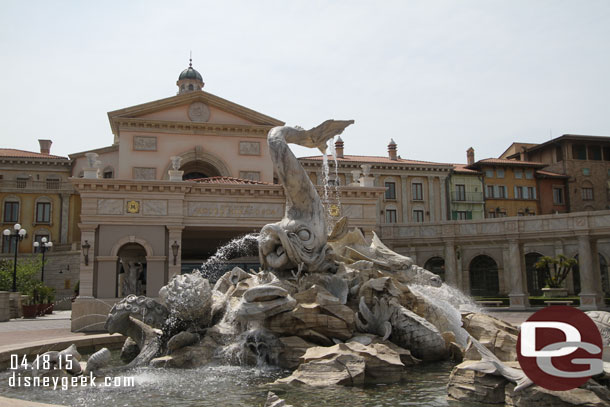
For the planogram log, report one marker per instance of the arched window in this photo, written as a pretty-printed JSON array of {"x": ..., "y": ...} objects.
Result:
[
  {"x": 199, "y": 169},
  {"x": 191, "y": 87},
  {"x": 437, "y": 266},
  {"x": 108, "y": 172},
  {"x": 535, "y": 278},
  {"x": 484, "y": 276},
  {"x": 603, "y": 269}
]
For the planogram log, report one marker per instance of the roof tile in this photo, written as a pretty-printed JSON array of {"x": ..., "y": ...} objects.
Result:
[{"x": 13, "y": 153}]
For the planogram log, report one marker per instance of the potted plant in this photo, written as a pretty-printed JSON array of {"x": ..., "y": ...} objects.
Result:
[
  {"x": 76, "y": 290},
  {"x": 556, "y": 270}
]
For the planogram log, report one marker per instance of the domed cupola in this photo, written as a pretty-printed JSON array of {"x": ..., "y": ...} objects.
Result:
[{"x": 189, "y": 80}]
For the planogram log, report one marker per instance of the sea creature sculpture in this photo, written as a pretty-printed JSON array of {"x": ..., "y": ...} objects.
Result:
[
  {"x": 300, "y": 237},
  {"x": 490, "y": 364}
]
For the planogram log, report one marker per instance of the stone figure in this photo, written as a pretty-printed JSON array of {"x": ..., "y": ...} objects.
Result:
[
  {"x": 176, "y": 160},
  {"x": 300, "y": 237}
]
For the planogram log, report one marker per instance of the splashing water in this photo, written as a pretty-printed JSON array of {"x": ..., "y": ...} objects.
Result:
[
  {"x": 331, "y": 196},
  {"x": 242, "y": 246},
  {"x": 451, "y": 302}
]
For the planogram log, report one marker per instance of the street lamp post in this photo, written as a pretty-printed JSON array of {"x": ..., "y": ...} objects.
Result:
[
  {"x": 44, "y": 246},
  {"x": 18, "y": 235}
]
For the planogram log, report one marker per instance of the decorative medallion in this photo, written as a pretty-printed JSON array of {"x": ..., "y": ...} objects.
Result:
[
  {"x": 199, "y": 112},
  {"x": 133, "y": 207},
  {"x": 334, "y": 210}
]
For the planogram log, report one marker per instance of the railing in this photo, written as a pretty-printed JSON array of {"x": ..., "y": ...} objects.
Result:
[
  {"x": 460, "y": 196},
  {"x": 27, "y": 184}
]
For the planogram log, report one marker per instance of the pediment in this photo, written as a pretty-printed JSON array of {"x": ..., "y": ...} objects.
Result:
[{"x": 194, "y": 107}]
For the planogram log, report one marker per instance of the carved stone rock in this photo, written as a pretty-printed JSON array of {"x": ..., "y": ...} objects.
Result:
[{"x": 414, "y": 333}]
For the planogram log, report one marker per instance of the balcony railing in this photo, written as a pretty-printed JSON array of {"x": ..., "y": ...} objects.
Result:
[
  {"x": 460, "y": 196},
  {"x": 29, "y": 185}
]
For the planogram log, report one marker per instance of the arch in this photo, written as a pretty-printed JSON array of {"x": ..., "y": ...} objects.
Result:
[
  {"x": 108, "y": 172},
  {"x": 131, "y": 239},
  {"x": 436, "y": 265},
  {"x": 131, "y": 270},
  {"x": 191, "y": 160},
  {"x": 484, "y": 280},
  {"x": 536, "y": 279}
]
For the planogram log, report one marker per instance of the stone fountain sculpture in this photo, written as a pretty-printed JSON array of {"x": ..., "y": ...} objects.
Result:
[{"x": 335, "y": 309}]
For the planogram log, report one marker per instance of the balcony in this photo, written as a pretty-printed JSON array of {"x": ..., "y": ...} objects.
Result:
[
  {"x": 461, "y": 196},
  {"x": 28, "y": 185}
]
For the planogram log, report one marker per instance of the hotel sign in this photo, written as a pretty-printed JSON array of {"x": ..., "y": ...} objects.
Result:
[{"x": 235, "y": 210}]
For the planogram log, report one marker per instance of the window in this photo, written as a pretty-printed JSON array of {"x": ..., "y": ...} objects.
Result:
[
  {"x": 558, "y": 196},
  {"x": 520, "y": 212},
  {"x": 8, "y": 244},
  {"x": 518, "y": 192},
  {"x": 21, "y": 183},
  {"x": 489, "y": 191},
  {"x": 501, "y": 214},
  {"x": 331, "y": 182},
  {"x": 489, "y": 173},
  {"x": 531, "y": 193},
  {"x": 529, "y": 174},
  {"x": 418, "y": 215},
  {"x": 586, "y": 171},
  {"x": 587, "y": 194},
  {"x": 579, "y": 152},
  {"x": 52, "y": 183},
  {"x": 390, "y": 191},
  {"x": 463, "y": 215},
  {"x": 191, "y": 87},
  {"x": 595, "y": 153},
  {"x": 417, "y": 190},
  {"x": 518, "y": 173},
  {"x": 606, "y": 153},
  {"x": 11, "y": 211},
  {"x": 108, "y": 173},
  {"x": 43, "y": 212},
  {"x": 491, "y": 214},
  {"x": 559, "y": 153},
  {"x": 390, "y": 216},
  {"x": 500, "y": 173},
  {"x": 460, "y": 192},
  {"x": 501, "y": 191}
]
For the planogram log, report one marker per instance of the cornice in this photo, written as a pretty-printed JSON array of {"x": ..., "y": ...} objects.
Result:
[
  {"x": 34, "y": 161},
  {"x": 162, "y": 126},
  {"x": 381, "y": 166},
  {"x": 101, "y": 185}
]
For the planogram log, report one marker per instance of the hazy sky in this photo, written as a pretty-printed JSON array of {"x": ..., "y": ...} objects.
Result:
[{"x": 436, "y": 76}]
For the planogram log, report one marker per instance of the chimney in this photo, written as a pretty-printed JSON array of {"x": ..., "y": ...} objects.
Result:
[
  {"x": 392, "y": 150},
  {"x": 522, "y": 154},
  {"x": 339, "y": 147},
  {"x": 470, "y": 156},
  {"x": 45, "y": 146}
]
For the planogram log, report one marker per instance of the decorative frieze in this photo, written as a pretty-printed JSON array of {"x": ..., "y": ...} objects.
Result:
[
  {"x": 110, "y": 206},
  {"x": 145, "y": 143},
  {"x": 251, "y": 175},
  {"x": 144, "y": 173},
  {"x": 235, "y": 210},
  {"x": 249, "y": 148},
  {"x": 156, "y": 207}
]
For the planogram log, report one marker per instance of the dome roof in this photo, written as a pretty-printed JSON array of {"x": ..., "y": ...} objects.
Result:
[{"x": 190, "y": 73}]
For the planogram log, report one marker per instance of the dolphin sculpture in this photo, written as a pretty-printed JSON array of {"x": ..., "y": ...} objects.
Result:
[{"x": 299, "y": 239}]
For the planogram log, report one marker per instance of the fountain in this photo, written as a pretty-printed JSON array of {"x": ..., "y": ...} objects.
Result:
[{"x": 330, "y": 308}]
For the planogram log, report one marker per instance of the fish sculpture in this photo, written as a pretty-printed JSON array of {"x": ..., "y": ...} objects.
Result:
[{"x": 299, "y": 239}]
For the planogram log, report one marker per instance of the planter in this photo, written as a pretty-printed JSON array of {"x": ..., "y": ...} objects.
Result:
[
  {"x": 5, "y": 308},
  {"x": 30, "y": 311},
  {"x": 49, "y": 308},
  {"x": 554, "y": 292},
  {"x": 41, "y": 308}
]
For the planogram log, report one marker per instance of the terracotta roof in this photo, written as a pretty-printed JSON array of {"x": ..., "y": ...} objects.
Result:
[
  {"x": 228, "y": 180},
  {"x": 550, "y": 174},
  {"x": 370, "y": 159},
  {"x": 12, "y": 153},
  {"x": 461, "y": 168},
  {"x": 504, "y": 161}
]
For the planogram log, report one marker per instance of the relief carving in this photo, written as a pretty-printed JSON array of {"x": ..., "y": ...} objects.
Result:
[
  {"x": 144, "y": 143},
  {"x": 110, "y": 206},
  {"x": 144, "y": 173},
  {"x": 229, "y": 210},
  {"x": 154, "y": 207},
  {"x": 249, "y": 148}
]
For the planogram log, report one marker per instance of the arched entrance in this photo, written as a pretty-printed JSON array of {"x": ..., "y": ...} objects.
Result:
[
  {"x": 484, "y": 276},
  {"x": 197, "y": 169},
  {"x": 536, "y": 279},
  {"x": 131, "y": 270},
  {"x": 437, "y": 266}
]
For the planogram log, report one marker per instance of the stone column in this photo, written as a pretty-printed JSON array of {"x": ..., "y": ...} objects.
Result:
[
  {"x": 404, "y": 198},
  {"x": 443, "y": 188},
  {"x": 155, "y": 274},
  {"x": 65, "y": 217},
  {"x": 591, "y": 297},
  {"x": 461, "y": 278},
  {"x": 431, "y": 206},
  {"x": 450, "y": 264},
  {"x": 175, "y": 235},
  {"x": 518, "y": 295},
  {"x": 86, "y": 285}
]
